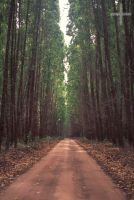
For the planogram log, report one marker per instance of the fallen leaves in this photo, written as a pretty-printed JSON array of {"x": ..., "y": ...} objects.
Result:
[
  {"x": 16, "y": 161},
  {"x": 117, "y": 162}
]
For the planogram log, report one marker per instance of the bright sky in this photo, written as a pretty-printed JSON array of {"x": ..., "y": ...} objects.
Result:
[{"x": 64, "y": 9}]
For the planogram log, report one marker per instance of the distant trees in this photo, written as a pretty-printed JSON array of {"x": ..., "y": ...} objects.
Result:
[
  {"x": 32, "y": 73},
  {"x": 104, "y": 64},
  {"x": 97, "y": 101}
]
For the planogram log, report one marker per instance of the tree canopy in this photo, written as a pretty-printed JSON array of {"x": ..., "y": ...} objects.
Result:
[
  {"x": 97, "y": 100},
  {"x": 32, "y": 54},
  {"x": 101, "y": 81}
]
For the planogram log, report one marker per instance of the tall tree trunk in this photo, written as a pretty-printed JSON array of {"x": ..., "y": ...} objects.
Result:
[{"x": 5, "y": 94}]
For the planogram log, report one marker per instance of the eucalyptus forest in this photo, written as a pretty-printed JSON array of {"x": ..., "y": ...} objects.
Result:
[
  {"x": 32, "y": 84},
  {"x": 96, "y": 101},
  {"x": 101, "y": 76},
  {"x": 84, "y": 89}
]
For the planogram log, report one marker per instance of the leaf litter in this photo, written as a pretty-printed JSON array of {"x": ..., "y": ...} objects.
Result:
[
  {"x": 115, "y": 161},
  {"x": 15, "y": 162}
]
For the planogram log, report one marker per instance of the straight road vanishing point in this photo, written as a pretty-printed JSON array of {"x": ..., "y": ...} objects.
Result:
[{"x": 66, "y": 173}]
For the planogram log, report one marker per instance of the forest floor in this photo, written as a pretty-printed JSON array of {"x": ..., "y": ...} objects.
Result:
[
  {"x": 67, "y": 172},
  {"x": 15, "y": 162},
  {"x": 116, "y": 162}
]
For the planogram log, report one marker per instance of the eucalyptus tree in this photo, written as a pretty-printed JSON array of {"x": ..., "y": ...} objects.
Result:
[
  {"x": 106, "y": 67},
  {"x": 33, "y": 70}
]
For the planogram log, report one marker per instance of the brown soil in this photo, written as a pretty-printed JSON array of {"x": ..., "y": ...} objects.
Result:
[
  {"x": 15, "y": 162},
  {"x": 66, "y": 173},
  {"x": 115, "y": 161}
]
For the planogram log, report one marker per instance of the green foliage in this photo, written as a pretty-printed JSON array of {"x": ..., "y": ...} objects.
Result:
[
  {"x": 99, "y": 82},
  {"x": 35, "y": 58}
]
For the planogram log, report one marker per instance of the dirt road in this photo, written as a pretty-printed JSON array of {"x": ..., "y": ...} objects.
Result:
[{"x": 66, "y": 173}]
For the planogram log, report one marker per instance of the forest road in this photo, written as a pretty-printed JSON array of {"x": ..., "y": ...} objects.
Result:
[{"x": 66, "y": 173}]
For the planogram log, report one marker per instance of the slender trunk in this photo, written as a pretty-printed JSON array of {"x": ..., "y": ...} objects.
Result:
[{"x": 5, "y": 95}]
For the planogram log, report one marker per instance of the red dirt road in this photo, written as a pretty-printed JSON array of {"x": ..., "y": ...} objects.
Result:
[{"x": 66, "y": 173}]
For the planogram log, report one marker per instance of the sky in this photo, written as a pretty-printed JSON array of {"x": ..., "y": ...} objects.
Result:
[{"x": 64, "y": 9}]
